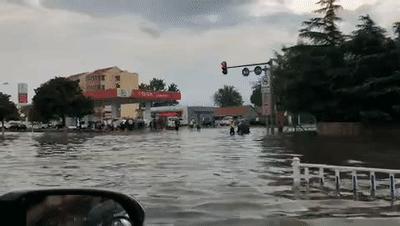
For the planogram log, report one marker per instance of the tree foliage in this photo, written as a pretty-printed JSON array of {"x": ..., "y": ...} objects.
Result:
[
  {"x": 324, "y": 30},
  {"x": 59, "y": 98},
  {"x": 8, "y": 110},
  {"x": 357, "y": 79},
  {"x": 159, "y": 85},
  {"x": 228, "y": 96},
  {"x": 255, "y": 97},
  {"x": 173, "y": 87}
]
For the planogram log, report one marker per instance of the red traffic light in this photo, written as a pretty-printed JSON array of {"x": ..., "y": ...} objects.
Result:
[{"x": 224, "y": 68}]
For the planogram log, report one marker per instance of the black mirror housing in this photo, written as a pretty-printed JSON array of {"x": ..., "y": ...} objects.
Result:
[{"x": 18, "y": 208}]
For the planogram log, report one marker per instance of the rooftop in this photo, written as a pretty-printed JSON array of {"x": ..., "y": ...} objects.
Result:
[{"x": 233, "y": 111}]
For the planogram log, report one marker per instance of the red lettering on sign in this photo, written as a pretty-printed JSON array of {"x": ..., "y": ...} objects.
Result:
[{"x": 154, "y": 95}]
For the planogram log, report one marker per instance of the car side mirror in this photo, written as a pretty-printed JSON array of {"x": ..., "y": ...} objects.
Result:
[{"x": 65, "y": 207}]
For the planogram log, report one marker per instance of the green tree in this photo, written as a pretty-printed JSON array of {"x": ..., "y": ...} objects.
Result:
[
  {"x": 373, "y": 90},
  {"x": 8, "y": 110},
  {"x": 255, "y": 97},
  {"x": 59, "y": 98},
  {"x": 354, "y": 80},
  {"x": 306, "y": 77},
  {"x": 81, "y": 107},
  {"x": 396, "y": 29},
  {"x": 144, "y": 86},
  {"x": 157, "y": 85},
  {"x": 324, "y": 30},
  {"x": 34, "y": 115},
  {"x": 227, "y": 96},
  {"x": 173, "y": 87}
]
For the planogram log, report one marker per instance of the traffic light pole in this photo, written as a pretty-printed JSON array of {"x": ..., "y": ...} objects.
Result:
[
  {"x": 249, "y": 65},
  {"x": 271, "y": 117},
  {"x": 266, "y": 90}
]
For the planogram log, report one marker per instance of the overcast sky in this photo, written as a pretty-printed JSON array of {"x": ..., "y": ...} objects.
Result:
[{"x": 181, "y": 41}]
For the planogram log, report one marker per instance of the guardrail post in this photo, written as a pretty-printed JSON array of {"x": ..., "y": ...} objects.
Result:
[
  {"x": 392, "y": 186},
  {"x": 307, "y": 175},
  {"x": 355, "y": 183},
  {"x": 372, "y": 179},
  {"x": 296, "y": 172},
  {"x": 337, "y": 181},
  {"x": 321, "y": 176}
]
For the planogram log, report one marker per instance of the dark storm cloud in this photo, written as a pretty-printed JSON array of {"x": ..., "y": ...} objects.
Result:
[
  {"x": 150, "y": 31},
  {"x": 165, "y": 13}
]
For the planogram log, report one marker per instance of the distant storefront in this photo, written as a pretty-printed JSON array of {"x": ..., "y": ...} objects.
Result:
[
  {"x": 186, "y": 114},
  {"x": 241, "y": 112}
]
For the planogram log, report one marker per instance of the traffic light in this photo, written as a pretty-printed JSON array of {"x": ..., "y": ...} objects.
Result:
[
  {"x": 224, "y": 68},
  {"x": 245, "y": 72}
]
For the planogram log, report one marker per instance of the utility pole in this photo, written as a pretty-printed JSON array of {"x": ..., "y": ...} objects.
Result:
[{"x": 267, "y": 100}]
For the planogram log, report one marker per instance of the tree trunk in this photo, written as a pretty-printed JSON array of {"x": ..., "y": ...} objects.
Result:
[
  {"x": 63, "y": 124},
  {"x": 63, "y": 121},
  {"x": 2, "y": 127}
]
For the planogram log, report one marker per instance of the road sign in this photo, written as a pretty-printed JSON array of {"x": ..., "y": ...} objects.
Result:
[
  {"x": 258, "y": 70},
  {"x": 245, "y": 72}
]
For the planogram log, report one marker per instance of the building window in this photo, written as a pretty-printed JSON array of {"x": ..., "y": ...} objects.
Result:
[
  {"x": 117, "y": 85},
  {"x": 117, "y": 78},
  {"x": 103, "y": 77},
  {"x": 103, "y": 87}
]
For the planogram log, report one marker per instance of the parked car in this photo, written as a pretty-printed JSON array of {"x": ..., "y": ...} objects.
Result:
[
  {"x": 226, "y": 121},
  {"x": 171, "y": 122},
  {"x": 17, "y": 126}
]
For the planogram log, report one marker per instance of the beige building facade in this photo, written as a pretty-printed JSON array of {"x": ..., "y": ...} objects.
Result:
[{"x": 106, "y": 79}]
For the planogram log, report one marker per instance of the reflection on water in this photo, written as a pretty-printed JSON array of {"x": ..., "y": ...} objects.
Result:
[{"x": 201, "y": 178}]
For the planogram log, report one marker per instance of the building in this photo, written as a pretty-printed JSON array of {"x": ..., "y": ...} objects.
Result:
[
  {"x": 245, "y": 112},
  {"x": 110, "y": 79},
  {"x": 185, "y": 113}
]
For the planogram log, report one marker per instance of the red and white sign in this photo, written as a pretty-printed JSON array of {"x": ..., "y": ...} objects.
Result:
[
  {"x": 170, "y": 114},
  {"x": 22, "y": 98},
  {"x": 22, "y": 93},
  {"x": 124, "y": 92},
  {"x": 103, "y": 94},
  {"x": 154, "y": 95},
  {"x": 140, "y": 95}
]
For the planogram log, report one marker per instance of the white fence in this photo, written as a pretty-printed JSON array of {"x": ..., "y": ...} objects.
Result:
[{"x": 298, "y": 166}]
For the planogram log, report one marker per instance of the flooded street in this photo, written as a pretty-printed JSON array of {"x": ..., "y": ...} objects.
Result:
[{"x": 201, "y": 178}]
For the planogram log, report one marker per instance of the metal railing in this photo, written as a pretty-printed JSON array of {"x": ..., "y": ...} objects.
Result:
[{"x": 297, "y": 176}]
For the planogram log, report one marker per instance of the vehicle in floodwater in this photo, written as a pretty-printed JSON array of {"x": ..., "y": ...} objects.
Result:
[{"x": 243, "y": 127}]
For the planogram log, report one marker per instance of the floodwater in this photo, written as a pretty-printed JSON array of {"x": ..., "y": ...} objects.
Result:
[{"x": 206, "y": 177}]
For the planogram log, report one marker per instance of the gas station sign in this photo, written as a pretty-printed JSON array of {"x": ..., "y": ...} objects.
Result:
[
  {"x": 154, "y": 95},
  {"x": 22, "y": 93}
]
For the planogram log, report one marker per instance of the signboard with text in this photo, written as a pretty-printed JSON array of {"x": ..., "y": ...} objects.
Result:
[
  {"x": 124, "y": 92},
  {"x": 154, "y": 95},
  {"x": 22, "y": 93},
  {"x": 139, "y": 95}
]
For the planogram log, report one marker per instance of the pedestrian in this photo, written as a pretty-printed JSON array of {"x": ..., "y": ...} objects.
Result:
[
  {"x": 232, "y": 128},
  {"x": 177, "y": 123}
]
